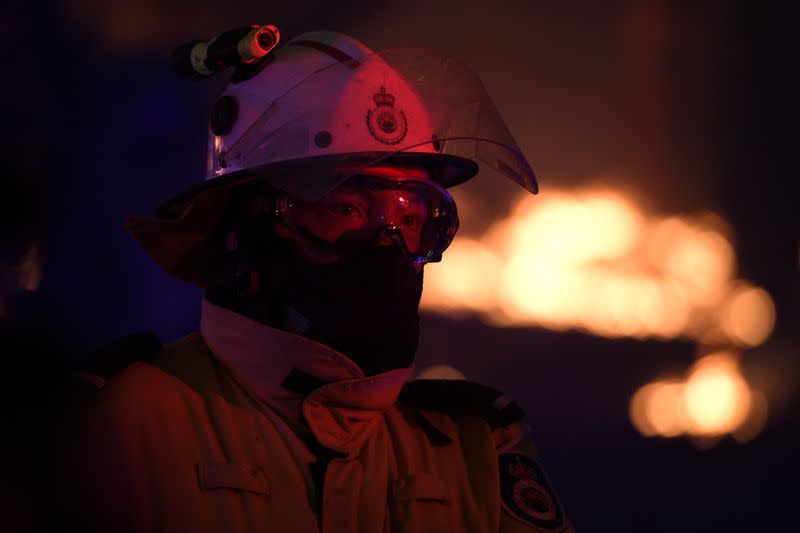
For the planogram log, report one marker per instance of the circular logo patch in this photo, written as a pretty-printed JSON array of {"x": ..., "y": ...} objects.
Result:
[
  {"x": 385, "y": 122},
  {"x": 526, "y": 494}
]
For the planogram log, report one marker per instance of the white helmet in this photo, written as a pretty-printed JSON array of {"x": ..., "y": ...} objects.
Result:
[{"x": 323, "y": 107}]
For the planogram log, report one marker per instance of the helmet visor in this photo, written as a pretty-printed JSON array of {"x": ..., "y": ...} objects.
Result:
[
  {"x": 426, "y": 108},
  {"x": 418, "y": 214}
]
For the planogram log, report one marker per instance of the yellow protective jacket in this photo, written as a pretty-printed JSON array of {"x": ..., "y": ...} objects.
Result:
[{"x": 200, "y": 441}]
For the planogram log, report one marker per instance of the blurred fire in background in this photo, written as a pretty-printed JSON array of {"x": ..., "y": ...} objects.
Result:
[
  {"x": 712, "y": 400},
  {"x": 592, "y": 259}
]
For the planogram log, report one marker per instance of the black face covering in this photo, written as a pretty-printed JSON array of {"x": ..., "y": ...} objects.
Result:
[{"x": 364, "y": 306}]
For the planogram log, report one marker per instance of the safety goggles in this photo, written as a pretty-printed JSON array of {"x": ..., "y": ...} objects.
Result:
[{"x": 417, "y": 214}]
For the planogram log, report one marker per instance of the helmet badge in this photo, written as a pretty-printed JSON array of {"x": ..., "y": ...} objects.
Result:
[{"x": 385, "y": 122}]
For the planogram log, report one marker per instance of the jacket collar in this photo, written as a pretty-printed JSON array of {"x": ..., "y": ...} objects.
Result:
[{"x": 342, "y": 413}]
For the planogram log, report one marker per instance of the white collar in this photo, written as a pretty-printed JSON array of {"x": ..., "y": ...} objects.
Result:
[{"x": 261, "y": 357}]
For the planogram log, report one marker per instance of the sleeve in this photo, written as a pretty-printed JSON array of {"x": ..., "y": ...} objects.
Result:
[{"x": 527, "y": 499}]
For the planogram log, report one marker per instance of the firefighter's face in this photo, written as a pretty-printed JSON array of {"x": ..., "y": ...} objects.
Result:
[{"x": 387, "y": 206}]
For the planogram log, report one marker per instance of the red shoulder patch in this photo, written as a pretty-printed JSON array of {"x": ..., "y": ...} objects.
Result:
[{"x": 526, "y": 493}]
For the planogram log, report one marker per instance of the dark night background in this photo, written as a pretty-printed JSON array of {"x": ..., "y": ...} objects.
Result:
[{"x": 693, "y": 100}]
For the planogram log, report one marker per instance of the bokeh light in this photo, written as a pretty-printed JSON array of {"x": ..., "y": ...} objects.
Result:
[
  {"x": 594, "y": 260},
  {"x": 713, "y": 400},
  {"x": 716, "y": 396},
  {"x": 657, "y": 409},
  {"x": 756, "y": 418},
  {"x": 455, "y": 286},
  {"x": 638, "y": 410},
  {"x": 748, "y": 316}
]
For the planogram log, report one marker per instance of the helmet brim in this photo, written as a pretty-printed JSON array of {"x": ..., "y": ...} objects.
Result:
[{"x": 311, "y": 178}]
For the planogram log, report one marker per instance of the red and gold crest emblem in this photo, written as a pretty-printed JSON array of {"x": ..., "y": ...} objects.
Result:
[
  {"x": 385, "y": 122},
  {"x": 526, "y": 494}
]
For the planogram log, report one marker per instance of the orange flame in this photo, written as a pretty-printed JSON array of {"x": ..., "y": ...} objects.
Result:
[
  {"x": 713, "y": 400},
  {"x": 593, "y": 260}
]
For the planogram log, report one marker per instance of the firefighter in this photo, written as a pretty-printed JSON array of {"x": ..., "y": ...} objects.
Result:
[{"x": 292, "y": 409}]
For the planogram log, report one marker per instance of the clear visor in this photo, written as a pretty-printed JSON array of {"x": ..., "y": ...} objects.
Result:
[
  {"x": 417, "y": 214},
  {"x": 426, "y": 108}
]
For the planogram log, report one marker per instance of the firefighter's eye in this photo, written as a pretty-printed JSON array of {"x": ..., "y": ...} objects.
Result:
[{"x": 345, "y": 209}]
